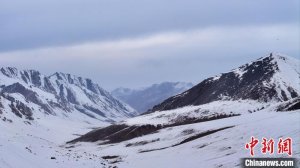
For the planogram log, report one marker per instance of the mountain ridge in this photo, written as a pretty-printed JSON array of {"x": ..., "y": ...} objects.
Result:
[
  {"x": 58, "y": 93},
  {"x": 266, "y": 79}
]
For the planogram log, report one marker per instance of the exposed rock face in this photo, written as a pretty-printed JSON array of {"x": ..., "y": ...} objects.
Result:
[
  {"x": 117, "y": 133},
  {"x": 274, "y": 77},
  {"x": 290, "y": 105},
  {"x": 29, "y": 90}
]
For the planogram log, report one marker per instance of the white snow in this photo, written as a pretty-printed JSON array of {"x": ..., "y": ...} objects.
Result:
[
  {"x": 25, "y": 143},
  {"x": 288, "y": 75},
  {"x": 206, "y": 110},
  {"x": 223, "y": 148}
]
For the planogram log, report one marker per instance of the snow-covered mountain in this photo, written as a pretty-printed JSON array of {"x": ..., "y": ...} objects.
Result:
[
  {"x": 209, "y": 125},
  {"x": 275, "y": 77},
  {"x": 145, "y": 98},
  {"x": 26, "y": 93},
  {"x": 39, "y": 113},
  {"x": 198, "y": 133}
]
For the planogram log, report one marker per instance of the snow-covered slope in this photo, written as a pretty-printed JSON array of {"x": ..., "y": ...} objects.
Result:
[
  {"x": 267, "y": 83},
  {"x": 33, "y": 145},
  {"x": 39, "y": 113},
  {"x": 152, "y": 122},
  {"x": 29, "y": 93},
  {"x": 145, "y": 98},
  {"x": 275, "y": 77},
  {"x": 30, "y": 146},
  {"x": 209, "y": 125},
  {"x": 211, "y": 144}
]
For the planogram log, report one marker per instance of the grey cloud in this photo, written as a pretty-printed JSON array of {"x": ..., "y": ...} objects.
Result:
[
  {"x": 178, "y": 56},
  {"x": 34, "y": 23},
  {"x": 134, "y": 43}
]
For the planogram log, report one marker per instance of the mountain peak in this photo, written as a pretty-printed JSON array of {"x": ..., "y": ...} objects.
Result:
[
  {"x": 275, "y": 77},
  {"x": 276, "y": 57},
  {"x": 280, "y": 56}
]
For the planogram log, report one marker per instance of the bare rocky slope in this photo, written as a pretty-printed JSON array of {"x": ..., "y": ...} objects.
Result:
[{"x": 272, "y": 78}]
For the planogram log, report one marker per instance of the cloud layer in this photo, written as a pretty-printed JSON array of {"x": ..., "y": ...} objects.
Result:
[
  {"x": 134, "y": 43},
  {"x": 170, "y": 56},
  {"x": 35, "y": 23}
]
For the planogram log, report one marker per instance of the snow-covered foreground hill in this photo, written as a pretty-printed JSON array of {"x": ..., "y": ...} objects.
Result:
[
  {"x": 188, "y": 145},
  {"x": 32, "y": 146}
]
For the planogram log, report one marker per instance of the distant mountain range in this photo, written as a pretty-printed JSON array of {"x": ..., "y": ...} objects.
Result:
[
  {"x": 28, "y": 93},
  {"x": 145, "y": 98}
]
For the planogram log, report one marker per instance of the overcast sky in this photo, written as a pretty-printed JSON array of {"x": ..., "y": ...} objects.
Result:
[{"x": 134, "y": 43}]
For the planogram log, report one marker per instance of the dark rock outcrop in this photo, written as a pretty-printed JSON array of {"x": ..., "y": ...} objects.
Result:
[{"x": 122, "y": 132}]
